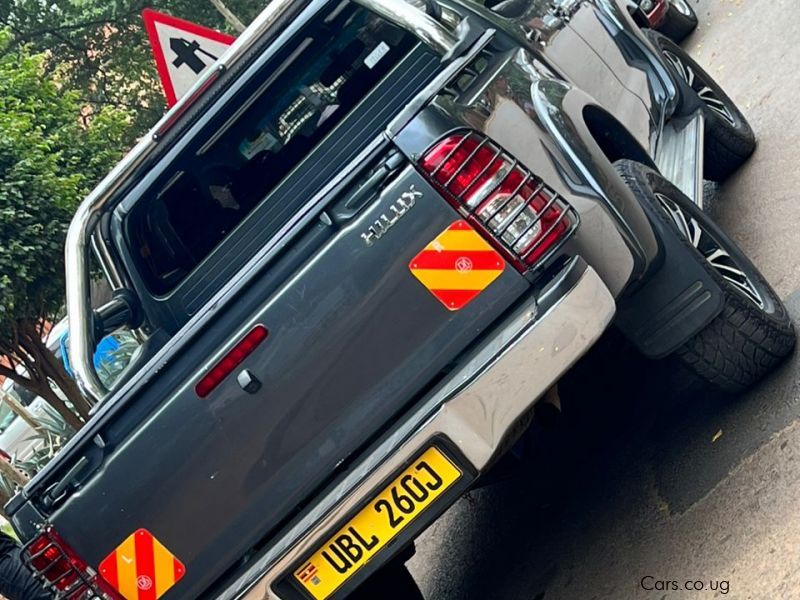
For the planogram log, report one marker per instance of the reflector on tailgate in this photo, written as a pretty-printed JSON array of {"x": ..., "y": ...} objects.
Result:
[
  {"x": 457, "y": 266},
  {"x": 141, "y": 568}
]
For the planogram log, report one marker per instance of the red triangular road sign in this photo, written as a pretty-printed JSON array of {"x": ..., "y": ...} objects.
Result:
[{"x": 183, "y": 51}]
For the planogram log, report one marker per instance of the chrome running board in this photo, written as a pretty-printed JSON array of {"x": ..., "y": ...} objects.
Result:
[{"x": 679, "y": 155}]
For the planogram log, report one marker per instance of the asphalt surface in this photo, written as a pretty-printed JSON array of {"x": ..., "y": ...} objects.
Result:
[{"x": 641, "y": 484}]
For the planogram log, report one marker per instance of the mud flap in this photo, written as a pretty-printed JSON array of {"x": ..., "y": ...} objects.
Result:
[{"x": 675, "y": 303}]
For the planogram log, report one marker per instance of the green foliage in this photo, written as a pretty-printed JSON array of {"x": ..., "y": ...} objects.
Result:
[
  {"x": 78, "y": 86},
  {"x": 49, "y": 160},
  {"x": 113, "y": 365},
  {"x": 101, "y": 48},
  {"x": 51, "y": 436},
  {"x": 8, "y": 488},
  {"x": 53, "y": 433}
]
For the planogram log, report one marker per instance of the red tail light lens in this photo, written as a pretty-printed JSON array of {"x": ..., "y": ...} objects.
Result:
[
  {"x": 58, "y": 565},
  {"x": 231, "y": 360},
  {"x": 519, "y": 214}
]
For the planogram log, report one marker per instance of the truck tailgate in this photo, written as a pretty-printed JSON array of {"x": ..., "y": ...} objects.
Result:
[{"x": 354, "y": 337}]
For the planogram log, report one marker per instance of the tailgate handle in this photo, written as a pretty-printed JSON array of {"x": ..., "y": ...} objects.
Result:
[
  {"x": 368, "y": 187},
  {"x": 55, "y": 493}
]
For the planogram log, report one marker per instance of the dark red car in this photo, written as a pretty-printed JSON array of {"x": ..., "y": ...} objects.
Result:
[{"x": 674, "y": 18}]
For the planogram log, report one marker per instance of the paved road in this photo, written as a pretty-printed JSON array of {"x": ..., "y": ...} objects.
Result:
[{"x": 639, "y": 483}]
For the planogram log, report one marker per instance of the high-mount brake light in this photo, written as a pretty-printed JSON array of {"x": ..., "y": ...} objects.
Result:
[
  {"x": 52, "y": 560},
  {"x": 513, "y": 208},
  {"x": 231, "y": 360}
]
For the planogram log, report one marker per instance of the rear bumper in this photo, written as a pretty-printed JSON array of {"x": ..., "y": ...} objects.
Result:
[{"x": 475, "y": 410}]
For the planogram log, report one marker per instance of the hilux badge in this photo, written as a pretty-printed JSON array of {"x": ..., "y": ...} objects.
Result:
[{"x": 396, "y": 211}]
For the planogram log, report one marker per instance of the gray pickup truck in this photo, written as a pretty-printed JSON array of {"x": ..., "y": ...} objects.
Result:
[{"x": 356, "y": 255}]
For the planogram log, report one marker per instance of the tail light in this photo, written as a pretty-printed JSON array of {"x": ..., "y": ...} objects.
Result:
[
  {"x": 53, "y": 561},
  {"x": 513, "y": 208}
]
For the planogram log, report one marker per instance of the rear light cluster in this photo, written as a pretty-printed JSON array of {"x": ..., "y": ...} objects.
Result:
[
  {"x": 514, "y": 209},
  {"x": 67, "y": 575}
]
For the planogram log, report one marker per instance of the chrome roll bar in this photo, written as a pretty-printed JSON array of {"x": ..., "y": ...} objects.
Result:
[
  {"x": 79, "y": 238},
  {"x": 423, "y": 26},
  {"x": 76, "y": 256}
]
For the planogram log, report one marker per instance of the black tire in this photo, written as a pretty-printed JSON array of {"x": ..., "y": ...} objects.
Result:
[
  {"x": 681, "y": 20},
  {"x": 392, "y": 582},
  {"x": 729, "y": 139},
  {"x": 746, "y": 340}
]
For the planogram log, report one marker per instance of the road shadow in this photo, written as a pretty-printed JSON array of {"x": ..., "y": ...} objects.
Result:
[{"x": 624, "y": 423}]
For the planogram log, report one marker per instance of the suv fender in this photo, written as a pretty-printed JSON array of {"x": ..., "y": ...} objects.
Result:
[
  {"x": 562, "y": 111},
  {"x": 556, "y": 144}
]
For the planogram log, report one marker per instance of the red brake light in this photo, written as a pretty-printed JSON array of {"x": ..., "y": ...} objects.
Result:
[
  {"x": 231, "y": 360},
  {"x": 58, "y": 565},
  {"x": 514, "y": 209}
]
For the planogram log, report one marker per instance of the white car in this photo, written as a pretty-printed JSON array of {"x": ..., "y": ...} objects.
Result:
[{"x": 18, "y": 440}]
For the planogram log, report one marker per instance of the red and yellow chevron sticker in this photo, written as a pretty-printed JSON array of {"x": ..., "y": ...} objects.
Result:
[
  {"x": 457, "y": 266},
  {"x": 141, "y": 568}
]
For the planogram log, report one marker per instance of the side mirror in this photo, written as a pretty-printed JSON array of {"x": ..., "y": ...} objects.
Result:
[{"x": 124, "y": 310}]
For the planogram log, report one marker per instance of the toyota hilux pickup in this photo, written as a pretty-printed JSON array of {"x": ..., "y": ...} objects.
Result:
[{"x": 356, "y": 254}]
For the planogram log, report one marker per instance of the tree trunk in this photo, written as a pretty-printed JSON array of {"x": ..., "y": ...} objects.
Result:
[
  {"x": 12, "y": 474},
  {"x": 70, "y": 418},
  {"x": 231, "y": 18},
  {"x": 43, "y": 389},
  {"x": 52, "y": 369},
  {"x": 19, "y": 410}
]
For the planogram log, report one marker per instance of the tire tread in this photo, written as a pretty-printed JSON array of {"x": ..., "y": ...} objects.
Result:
[
  {"x": 741, "y": 344},
  {"x": 738, "y": 347}
]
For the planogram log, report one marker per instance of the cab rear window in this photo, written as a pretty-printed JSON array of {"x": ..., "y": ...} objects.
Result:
[{"x": 231, "y": 169}]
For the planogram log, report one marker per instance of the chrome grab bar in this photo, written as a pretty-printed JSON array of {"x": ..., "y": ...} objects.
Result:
[
  {"x": 427, "y": 29},
  {"x": 79, "y": 238},
  {"x": 76, "y": 256}
]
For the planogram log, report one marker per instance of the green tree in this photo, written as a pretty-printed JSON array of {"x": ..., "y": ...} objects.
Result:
[
  {"x": 49, "y": 160},
  {"x": 103, "y": 49}
]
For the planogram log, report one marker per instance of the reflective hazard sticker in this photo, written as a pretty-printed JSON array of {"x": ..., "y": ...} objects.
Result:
[
  {"x": 141, "y": 568},
  {"x": 457, "y": 266}
]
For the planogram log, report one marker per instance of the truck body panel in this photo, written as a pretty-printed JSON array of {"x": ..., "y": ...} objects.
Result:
[{"x": 323, "y": 261}]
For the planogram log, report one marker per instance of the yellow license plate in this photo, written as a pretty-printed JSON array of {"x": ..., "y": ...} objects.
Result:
[{"x": 402, "y": 501}]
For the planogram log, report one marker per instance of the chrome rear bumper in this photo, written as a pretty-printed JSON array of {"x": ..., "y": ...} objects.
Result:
[{"x": 475, "y": 410}]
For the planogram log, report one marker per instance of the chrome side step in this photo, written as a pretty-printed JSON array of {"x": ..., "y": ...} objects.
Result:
[{"x": 679, "y": 155}]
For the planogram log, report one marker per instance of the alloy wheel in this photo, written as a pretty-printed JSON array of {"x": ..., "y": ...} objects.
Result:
[
  {"x": 704, "y": 91},
  {"x": 713, "y": 251}
]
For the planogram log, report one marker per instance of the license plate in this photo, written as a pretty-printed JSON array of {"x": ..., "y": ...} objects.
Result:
[{"x": 394, "y": 509}]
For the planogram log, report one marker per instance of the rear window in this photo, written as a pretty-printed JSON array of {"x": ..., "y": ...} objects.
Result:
[{"x": 337, "y": 60}]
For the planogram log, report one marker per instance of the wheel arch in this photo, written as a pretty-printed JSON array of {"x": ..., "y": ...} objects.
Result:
[{"x": 613, "y": 139}]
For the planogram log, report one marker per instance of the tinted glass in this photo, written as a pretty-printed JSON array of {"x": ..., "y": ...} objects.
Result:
[{"x": 336, "y": 62}]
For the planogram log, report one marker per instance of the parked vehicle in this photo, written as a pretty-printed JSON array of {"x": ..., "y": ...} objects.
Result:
[
  {"x": 17, "y": 438},
  {"x": 358, "y": 253},
  {"x": 676, "y": 19}
]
